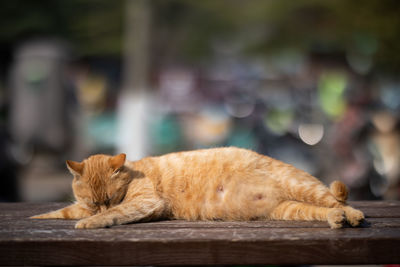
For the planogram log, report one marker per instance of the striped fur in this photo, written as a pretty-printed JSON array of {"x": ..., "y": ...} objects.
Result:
[{"x": 220, "y": 183}]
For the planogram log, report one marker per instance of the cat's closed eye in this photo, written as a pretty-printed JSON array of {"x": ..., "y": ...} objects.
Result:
[{"x": 116, "y": 173}]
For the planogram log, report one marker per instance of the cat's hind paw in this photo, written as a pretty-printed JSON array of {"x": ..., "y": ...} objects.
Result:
[
  {"x": 354, "y": 217},
  {"x": 336, "y": 218}
]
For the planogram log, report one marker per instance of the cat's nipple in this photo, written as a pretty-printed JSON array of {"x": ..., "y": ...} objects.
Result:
[
  {"x": 258, "y": 197},
  {"x": 220, "y": 191}
]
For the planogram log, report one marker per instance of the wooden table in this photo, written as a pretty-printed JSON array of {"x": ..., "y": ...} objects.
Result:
[{"x": 56, "y": 242}]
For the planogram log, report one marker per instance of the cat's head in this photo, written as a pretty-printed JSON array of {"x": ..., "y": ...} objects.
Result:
[{"x": 100, "y": 181}]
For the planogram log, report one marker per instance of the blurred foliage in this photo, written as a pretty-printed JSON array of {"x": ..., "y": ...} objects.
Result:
[
  {"x": 331, "y": 88},
  {"x": 189, "y": 29},
  {"x": 93, "y": 26}
]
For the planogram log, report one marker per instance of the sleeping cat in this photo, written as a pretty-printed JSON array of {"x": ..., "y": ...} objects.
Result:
[{"x": 219, "y": 183}]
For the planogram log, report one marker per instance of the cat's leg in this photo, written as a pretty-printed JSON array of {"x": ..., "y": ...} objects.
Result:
[
  {"x": 74, "y": 211},
  {"x": 138, "y": 209},
  {"x": 293, "y": 210},
  {"x": 340, "y": 192},
  {"x": 310, "y": 190},
  {"x": 314, "y": 192}
]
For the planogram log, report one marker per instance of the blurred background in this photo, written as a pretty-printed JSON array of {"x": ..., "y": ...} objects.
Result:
[{"x": 313, "y": 83}]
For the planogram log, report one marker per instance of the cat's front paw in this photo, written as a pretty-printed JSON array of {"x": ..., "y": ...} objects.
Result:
[{"x": 90, "y": 223}]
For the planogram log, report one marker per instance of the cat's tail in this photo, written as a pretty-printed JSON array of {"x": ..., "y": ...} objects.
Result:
[{"x": 339, "y": 191}]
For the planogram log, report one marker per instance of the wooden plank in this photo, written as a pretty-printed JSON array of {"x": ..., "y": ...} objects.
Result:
[
  {"x": 297, "y": 251},
  {"x": 372, "y": 209},
  {"x": 378, "y": 209},
  {"x": 390, "y": 209},
  {"x": 47, "y": 232},
  {"x": 16, "y": 216},
  {"x": 10, "y": 225},
  {"x": 16, "y": 220},
  {"x": 56, "y": 242},
  {"x": 374, "y": 204}
]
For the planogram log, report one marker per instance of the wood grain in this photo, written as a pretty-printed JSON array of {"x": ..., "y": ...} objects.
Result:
[{"x": 56, "y": 242}]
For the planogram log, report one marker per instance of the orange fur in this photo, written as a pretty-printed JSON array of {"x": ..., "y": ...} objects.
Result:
[{"x": 221, "y": 183}]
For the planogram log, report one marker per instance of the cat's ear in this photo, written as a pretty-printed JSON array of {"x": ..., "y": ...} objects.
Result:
[
  {"x": 117, "y": 161},
  {"x": 76, "y": 168}
]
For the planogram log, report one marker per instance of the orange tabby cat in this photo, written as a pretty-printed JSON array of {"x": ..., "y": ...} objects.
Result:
[{"x": 220, "y": 183}]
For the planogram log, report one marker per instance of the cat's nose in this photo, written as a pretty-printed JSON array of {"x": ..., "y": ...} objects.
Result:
[{"x": 103, "y": 208}]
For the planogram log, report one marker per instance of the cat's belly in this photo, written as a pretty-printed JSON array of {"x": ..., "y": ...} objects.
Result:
[
  {"x": 225, "y": 183},
  {"x": 226, "y": 201}
]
